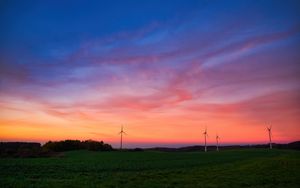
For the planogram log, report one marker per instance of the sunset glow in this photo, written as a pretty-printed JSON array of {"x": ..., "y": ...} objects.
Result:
[{"x": 164, "y": 70}]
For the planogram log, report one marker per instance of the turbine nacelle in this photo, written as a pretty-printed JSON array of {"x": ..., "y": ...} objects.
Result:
[{"x": 121, "y": 132}]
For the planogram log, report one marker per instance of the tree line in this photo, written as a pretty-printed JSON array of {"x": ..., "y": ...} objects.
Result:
[
  {"x": 27, "y": 149},
  {"x": 68, "y": 145}
]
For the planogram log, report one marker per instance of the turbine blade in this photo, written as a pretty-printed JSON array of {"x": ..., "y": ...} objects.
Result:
[{"x": 271, "y": 134}]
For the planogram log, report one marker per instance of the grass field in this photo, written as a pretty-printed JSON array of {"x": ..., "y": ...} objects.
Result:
[{"x": 235, "y": 168}]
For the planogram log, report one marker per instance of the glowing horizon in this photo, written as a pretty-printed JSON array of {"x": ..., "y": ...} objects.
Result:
[{"x": 164, "y": 70}]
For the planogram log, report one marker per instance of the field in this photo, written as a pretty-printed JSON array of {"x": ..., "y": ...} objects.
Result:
[{"x": 232, "y": 168}]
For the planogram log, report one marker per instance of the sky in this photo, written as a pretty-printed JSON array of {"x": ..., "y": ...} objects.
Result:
[{"x": 165, "y": 70}]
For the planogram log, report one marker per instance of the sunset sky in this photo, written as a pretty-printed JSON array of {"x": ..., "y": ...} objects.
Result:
[{"x": 164, "y": 69}]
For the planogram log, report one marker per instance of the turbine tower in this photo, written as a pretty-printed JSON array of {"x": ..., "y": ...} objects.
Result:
[
  {"x": 270, "y": 135},
  {"x": 121, "y": 133},
  {"x": 205, "y": 136},
  {"x": 217, "y": 139}
]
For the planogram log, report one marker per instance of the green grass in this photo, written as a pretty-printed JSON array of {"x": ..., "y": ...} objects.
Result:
[{"x": 236, "y": 168}]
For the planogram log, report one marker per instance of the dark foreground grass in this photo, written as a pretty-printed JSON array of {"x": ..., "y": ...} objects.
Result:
[{"x": 237, "y": 168}]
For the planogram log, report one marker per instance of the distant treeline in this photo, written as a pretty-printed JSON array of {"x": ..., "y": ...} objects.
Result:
[
  {"x": 52, "y": 148},
  {"x": 22, "y": 149},
  {"x": 28, "y": 149},
  {"x": 292, "y": 145},
  {"x": 68, "y": 145}
]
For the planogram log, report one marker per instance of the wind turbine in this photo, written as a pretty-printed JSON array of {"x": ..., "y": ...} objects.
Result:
[
  {"x": 205, "y": 136},
  {"x": 270, "y": 135},
  {"x": 121, "y": 132},
  {"x": 217, "y": 139}
]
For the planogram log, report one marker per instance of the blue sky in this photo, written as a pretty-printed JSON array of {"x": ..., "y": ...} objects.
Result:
[{"x": 102, "y": 63}]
